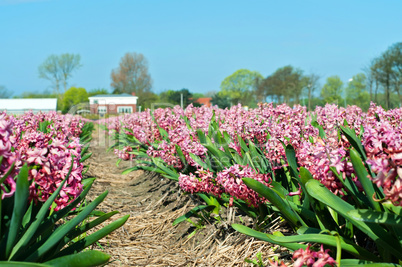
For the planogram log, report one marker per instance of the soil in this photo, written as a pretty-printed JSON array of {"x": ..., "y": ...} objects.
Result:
[{"x": 148, "y": 238}]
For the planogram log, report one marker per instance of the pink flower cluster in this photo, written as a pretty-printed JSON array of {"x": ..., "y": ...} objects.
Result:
[
  {"x": 124, "y": 153},
  {"x": 48, "y": 154},
  {"x": 313, "y": 258},
  {"x": 228, "y": 181},
  {"x": 231, "y": 180},
  {"x": 49, "y": 158},
  {"x": 318, "y": 157},
  {"x": 383, "y": 144},
  {"x": 203, "y": 181},
  {"x": 9, "y": 156}
]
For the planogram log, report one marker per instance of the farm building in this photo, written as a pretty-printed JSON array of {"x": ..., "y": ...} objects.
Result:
[
  {"x": 21, "y": 105},
  {"x": 112, "y": 104},
  {"x": 204, "y": 101}
]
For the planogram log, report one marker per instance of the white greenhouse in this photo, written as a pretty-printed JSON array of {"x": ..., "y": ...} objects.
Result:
[{"x": 22, "y": 105}]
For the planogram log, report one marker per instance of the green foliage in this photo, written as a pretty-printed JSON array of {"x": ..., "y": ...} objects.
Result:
[
  {"x": 256, "y": 262},
  {"x": 240, "y": 86},
  {"x": 385, "y": 77},
  {"x": 98, "y": 91},
  {"x": 174, "y": 97},
  {"x": 221, "y": 100},
  {"x": 284, "y": 85},
  {"x": 310, "y": 83},
  {"x": 45, "y": 94},
  {"x": 38, "y": 95},
  {"x": 86, "y": 258},
  {"x": 356, "y": 92},
  {"x": 146, "y": 99},
  {"x": 59, "y": 69},
  {"x": 276, "y": 200},
  {"x": 74, "y": 96},
  {"x": 332, "y": 90},
  {"x": 193, "y": 212},
  {"x": 198, "y": 95}
]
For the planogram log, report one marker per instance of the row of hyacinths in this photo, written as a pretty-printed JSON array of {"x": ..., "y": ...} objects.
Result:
[
  {"x": 271, "y": 128},
  {"x": 49, "y": 154},
  {"x": 319, "y": 144}
]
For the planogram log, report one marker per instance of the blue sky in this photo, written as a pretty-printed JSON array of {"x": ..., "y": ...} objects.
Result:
[{"x": 193, "y": 44}]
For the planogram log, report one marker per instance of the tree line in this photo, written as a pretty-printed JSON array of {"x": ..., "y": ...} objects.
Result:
[{"x": 380, "y": 82}]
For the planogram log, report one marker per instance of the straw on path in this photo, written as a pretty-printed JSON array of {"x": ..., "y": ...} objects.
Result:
[{"x": 148, "y": 238}]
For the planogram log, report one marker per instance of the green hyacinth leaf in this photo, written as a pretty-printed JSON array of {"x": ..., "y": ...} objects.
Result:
[
  {"x": 84, "y": 259},
  {"x": 20, "y": 202},
  {"x": 375, "y": 232},
  {"x": 284, "y": 208},
  {"x": 193, "y": 212},
  {"x": 266, "y": 237},
  {"x": 30, "y": 232},
  {"x": 93, "y": 238},
  {"x": 64, "y": 229},
  {"x": 375, "y": 217},
  {"x": 330, "y": 241},
  {"x": 362, "y": 175}
]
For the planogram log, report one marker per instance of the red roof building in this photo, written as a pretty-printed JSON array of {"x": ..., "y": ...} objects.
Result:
[{"x": 204, "y": 101}]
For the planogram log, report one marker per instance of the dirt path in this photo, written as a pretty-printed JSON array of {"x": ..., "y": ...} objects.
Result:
[{"x": 148, "y": 237}]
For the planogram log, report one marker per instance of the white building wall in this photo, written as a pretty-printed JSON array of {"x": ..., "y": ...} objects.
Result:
[{"x": 113, "y": 100}]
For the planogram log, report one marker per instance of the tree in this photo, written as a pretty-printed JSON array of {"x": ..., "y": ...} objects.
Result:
[
  {"x": 311, "y": 84},
  {"x": 395, "y": 58},
  {"x": 59, "y": 69},
  {"x": 370, "y": 82},
  {"x": 132, "y": 77},
  {"x": 198, "y": 95},
  {"x": 147, "y": 99},
  {"x": 72, "y": 97},
  {"x": 331, "y": 92},
  {"x": 382, "y": 69},
  {"x": 4, "y": 93},
  {"x": 98, "y": 91},
  {"x": 356, "y": 92},
  {"x": 240, "y": 87},
  {"x": 220, "y": 100},
  {"x": 174, "y": 97},
  {"x": 387, "y": 72},
  {"x": 38, "y": 95},
  {"x": 285, "y": 84},
  {"x": 44, "y": 94}
]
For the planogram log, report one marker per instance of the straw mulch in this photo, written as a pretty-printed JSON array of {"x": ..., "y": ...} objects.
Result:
[{"x": 148, "y": 237}]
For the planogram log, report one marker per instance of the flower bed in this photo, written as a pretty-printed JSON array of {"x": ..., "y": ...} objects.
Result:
[
  {"x": 333, "y": 174},
  {"x": 42, "y": 165}
]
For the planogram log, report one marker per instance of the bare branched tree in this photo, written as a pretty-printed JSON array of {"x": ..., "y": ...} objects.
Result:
[
  {"x": 132, "y": 75},
  {"x": 311, "y": 84},
  {"x": 370, "y": 80},
  {"x": 59, "y": 69},
  {"x": 4, "y": 93}
]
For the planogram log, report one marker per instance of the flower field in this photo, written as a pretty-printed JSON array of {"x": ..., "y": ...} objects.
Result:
[
  {"x": 332, "y": 177},
  {"x": 44, "y": 214},
  {"x": 334, "y": 174}
]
